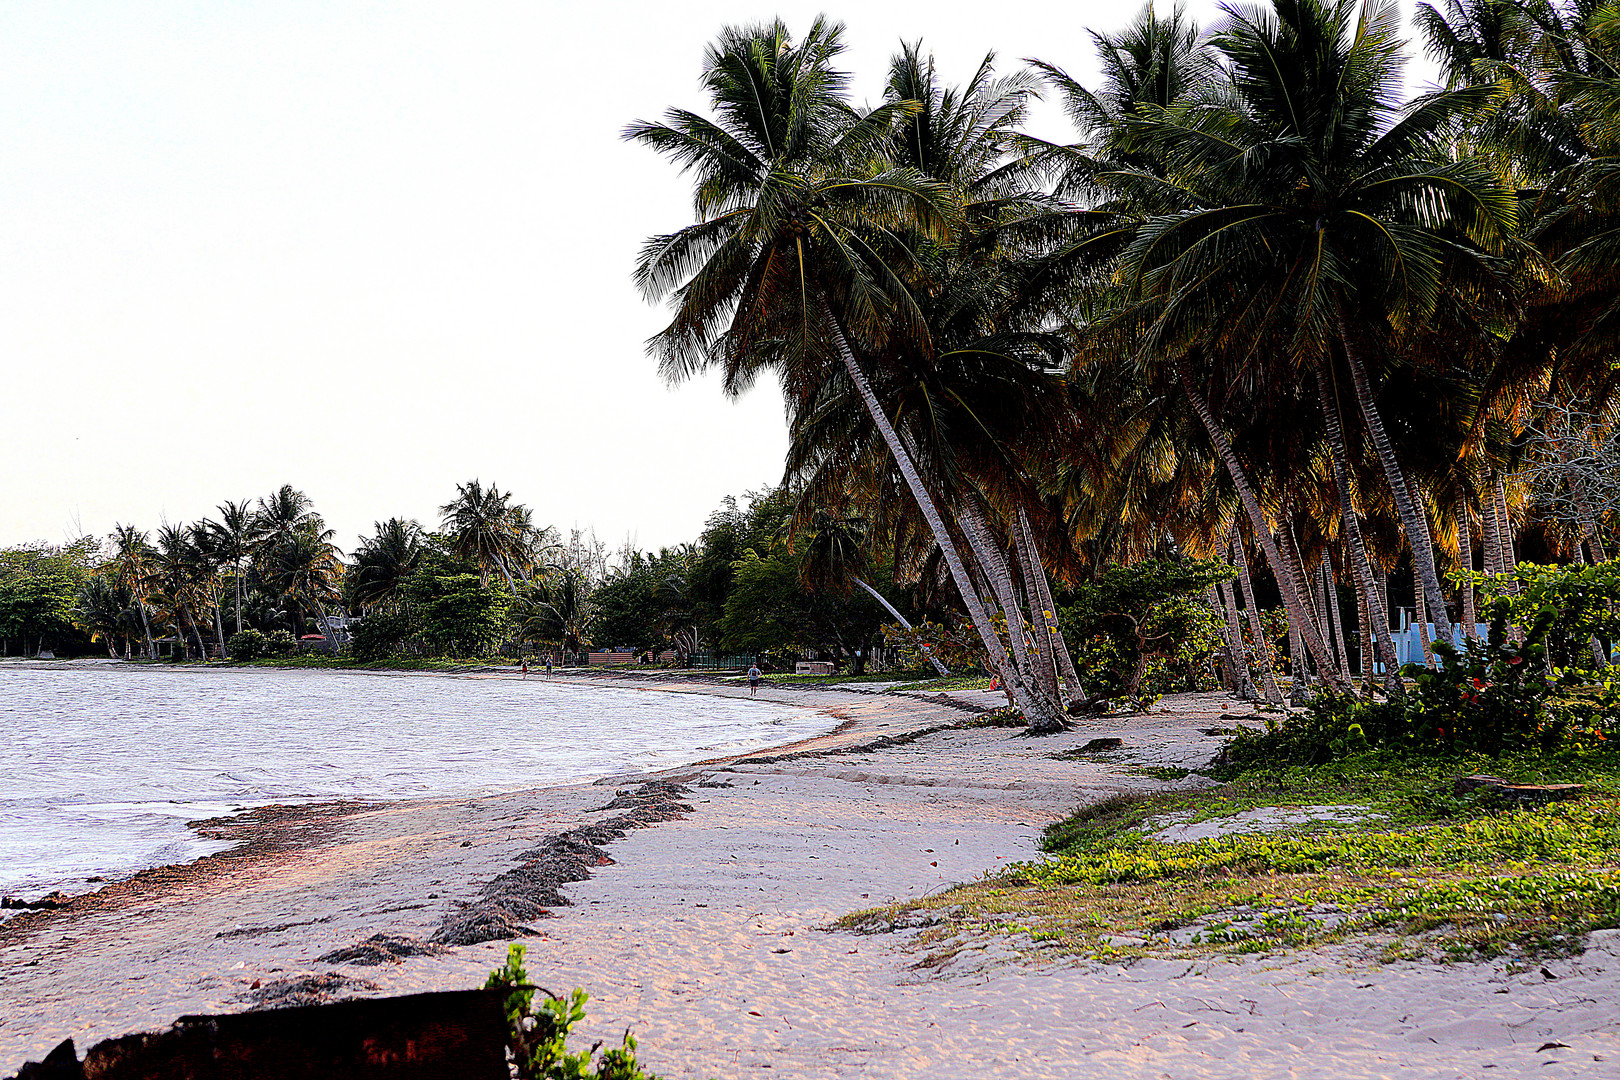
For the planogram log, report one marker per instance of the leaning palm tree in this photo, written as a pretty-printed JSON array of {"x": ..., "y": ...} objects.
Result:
[
  {"x": 797, "y": 262},
  {"x": 1307, "y": 190}
]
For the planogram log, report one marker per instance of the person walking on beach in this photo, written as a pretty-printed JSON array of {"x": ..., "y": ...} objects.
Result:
[
  {"x": 548, "y": 665},
  {"x": 525, "y": 667},
  {"x": 753, "y": 680}
]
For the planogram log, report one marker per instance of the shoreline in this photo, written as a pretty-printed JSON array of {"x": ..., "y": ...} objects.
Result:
[
  {"x": 250, "y": 830},
  {"x": 711, "y": 937}
]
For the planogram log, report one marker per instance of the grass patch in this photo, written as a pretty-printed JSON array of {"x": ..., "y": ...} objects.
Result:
[
  {"x": 952, "y": 682},
  {"x": 788, "y": 679},
  {"x": 1428, "y": 874}
]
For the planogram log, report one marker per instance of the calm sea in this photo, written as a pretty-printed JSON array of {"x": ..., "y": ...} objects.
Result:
[{"x": 100, "y": 769}]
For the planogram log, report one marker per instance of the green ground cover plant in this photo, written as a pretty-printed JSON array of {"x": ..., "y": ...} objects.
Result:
[{"x": 1419, "y": 871}]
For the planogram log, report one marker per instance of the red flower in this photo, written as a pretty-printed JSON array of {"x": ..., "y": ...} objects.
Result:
[{"x": 1516, "y": 660}]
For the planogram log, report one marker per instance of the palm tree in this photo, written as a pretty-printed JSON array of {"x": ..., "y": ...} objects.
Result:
[
  {"x": 175, "y": 568},
  {"x": 486, "y": 528},
  {"x": 1152, "y": 68},
  {"x": 304, "y": 568},
  {"x": 105, "y": 610},
  {"x": 1337, "y": 215},
  {"x": 797, "y": 262},
  {"x": 131, "y": 565},
  {"x": 555, "y": 608},
  {"x": 232, "y": 536},
  {"x": 384, "y": 561}
]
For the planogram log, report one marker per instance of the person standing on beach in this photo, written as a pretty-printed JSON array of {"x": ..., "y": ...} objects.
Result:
[
  {"x": 753, "y": 680},
  {"x": 548, "y": 665},
  {"x": 525, "y": 667}
]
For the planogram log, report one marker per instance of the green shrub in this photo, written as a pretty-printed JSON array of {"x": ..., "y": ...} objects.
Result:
[
  {"x": 537, "y": 1034},
  {"x": 379, "y": 635},
  {"x": 1492, "y": 696},
  {"x": 280, "y": 643},
  {"x": 247, "y": 644}
]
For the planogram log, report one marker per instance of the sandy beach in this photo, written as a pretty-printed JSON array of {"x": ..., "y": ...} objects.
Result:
[{"x": 708, "y": 936}]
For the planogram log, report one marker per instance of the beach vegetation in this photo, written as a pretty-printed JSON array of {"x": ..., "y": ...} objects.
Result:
[
  {"x": 1382, "y": 852},
  {"x": 248, "y": 644},
  {"x": 539, "y": 1023},
  {"x": 40, "y": 592}
]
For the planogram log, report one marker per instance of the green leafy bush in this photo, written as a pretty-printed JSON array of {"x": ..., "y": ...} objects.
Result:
[
  {"x": 280, "y": 643},
  {"x": 380, "y": 634},
  {"x": 538, "y": 1033},
  {"x": 1490, "y": 697},
  {"x": 246, "y": 644},
  {"x": 1143, "y": 630}
]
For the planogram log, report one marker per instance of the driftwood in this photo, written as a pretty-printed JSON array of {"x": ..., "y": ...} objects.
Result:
[
  {"x": 1517, "y": 794},
  {"x": 458, "y": 1035}
]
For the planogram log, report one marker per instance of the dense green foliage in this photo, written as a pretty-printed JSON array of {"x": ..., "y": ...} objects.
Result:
[
  {"x": 39, "y": 595},
  {"x": 1538, "y": 685},
  {"x": 1144, "y": 630},
  {"x": 247, "y": 644}
]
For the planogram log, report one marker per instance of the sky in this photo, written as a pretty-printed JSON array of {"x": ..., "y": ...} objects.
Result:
[{"x": 375, "y": 250}]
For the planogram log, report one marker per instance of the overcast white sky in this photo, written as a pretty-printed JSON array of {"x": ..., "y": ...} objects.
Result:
[{"x": 377, "y": 249}]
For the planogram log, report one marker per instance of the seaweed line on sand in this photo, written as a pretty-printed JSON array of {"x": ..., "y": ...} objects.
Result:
[{"x": 531, "y": 889}]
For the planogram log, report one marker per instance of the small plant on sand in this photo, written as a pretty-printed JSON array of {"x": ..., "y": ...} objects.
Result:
[{"x": 537, "y": 1034}]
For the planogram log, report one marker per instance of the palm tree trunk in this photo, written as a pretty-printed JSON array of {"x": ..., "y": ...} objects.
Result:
[
  {"x": 1043, "y": 621},
  {"x": 1288, "y": 577},
  {"x": 196, "y": 635},
  {"x": 146, "y": 625},
  {"x": 1071, "y": 677},
  {"x": 1338, "y": 616},
  {"x": 1042, "y": 721},
  {"x": 238, "y": 596},
  {"x": 1262, "y": 653},
  {"x": 988, "y": 554},
  {"x": 1413, "y": 519},
  {"x": 901, "y": 619},
  {"x": 326, "y": 623},
  {"x": 1234, "y": 637},
  {"x": 1351, "y": 526},
  {"x": 219, "y": 627},
  {"x": 1421, "y": 610},
  {"x": 1504, "y": 534},
  {"x": 1319, "y": 609},
  {"x": 1489, "y": 525},
  {"x": 1364, "y": 617},
  {"x": 1465, "y": 561}
]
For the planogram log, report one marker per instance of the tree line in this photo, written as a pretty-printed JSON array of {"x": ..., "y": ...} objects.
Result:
[{"x": 1261, "y": 308}]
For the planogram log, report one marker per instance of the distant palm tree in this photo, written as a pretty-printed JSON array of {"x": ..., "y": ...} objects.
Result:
[
  {"x": 175, "y": 571},
  {"x": 554, "y": 609},
  {"x": 233, "y": 536},
  {"x": 105, "y": 610},
  {"x": 131, "y": 565},
  {"x": 304, "y": 569},
  {"x": 485, "y": 527},
  {"x": 384, "y": 561}
]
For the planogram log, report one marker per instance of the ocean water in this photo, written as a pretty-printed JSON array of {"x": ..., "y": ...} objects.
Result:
[{"x": 101, "y": 768}]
